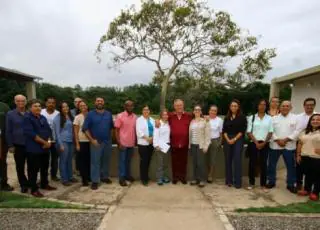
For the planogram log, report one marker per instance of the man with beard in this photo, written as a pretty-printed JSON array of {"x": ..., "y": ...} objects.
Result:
[{"x": 97, "y": 127}]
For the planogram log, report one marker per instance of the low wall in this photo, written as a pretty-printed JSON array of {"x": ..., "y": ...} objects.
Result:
[{"x": 219, "y": 172}]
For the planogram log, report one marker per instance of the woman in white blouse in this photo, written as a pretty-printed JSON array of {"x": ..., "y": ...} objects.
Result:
[
  {"x": 216, "y": 124},
  {"x": 199, "y": 141},
  {"x": 145, "y": 130},
  {"x": 161, "y": 142}
]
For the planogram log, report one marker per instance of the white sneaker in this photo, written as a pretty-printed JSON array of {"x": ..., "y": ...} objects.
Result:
[{"x": 250, "y": 187}]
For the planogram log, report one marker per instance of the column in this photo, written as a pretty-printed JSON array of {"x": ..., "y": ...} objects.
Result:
[
  {"x": 274, "y": 89},
  {"x": 31, "y": 90}
]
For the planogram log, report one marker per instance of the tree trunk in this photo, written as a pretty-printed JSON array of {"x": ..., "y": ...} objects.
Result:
[{"x": 164, "y": 89}]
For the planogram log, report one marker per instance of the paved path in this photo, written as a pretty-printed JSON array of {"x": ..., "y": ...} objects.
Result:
[{"x": 171, "y": 207}]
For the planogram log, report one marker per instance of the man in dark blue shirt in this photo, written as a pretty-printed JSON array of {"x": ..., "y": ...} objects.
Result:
[
  {"x": 16, "y": 141},
  {"x": 97, "y": 127},
  {"x": 37, "y": 133}
]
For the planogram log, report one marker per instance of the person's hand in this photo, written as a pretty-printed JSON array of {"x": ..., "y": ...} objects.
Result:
[
  {"x": 158, "y": 148},
  {"x": 232, "y": 141},
  {"x": 206, "y": 117},
  {"x": 157, "y": 123},
  {"x": 150, "y": 140},
  {"x": 205, "y": 150},
  {"x": 281, "y": 143},
  {"x": 78, "y": 147},
  {"x": 46, "y": 145},
  {"x": 61, "y": 148},
  {"x": 95, "y": 142},
  {"x": 317, "y": 151},
  {"x": 298, "y": 159},
  {"x": 11, "y": 150}
]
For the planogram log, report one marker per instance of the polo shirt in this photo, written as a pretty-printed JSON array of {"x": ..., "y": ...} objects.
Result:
[
  {"x": 126, "y": 123},
  {"x": 261, "y": 127},
  {"x": 99, "y": 125},
  {"x": 35, "y": 126},
  {"x": 180, "y": 129}
]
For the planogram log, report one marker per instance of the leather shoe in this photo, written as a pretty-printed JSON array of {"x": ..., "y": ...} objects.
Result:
[
  {"x": 106, "y": 180},
  {"x": 94, "y": 186},
  {"x": 123, "y": 183},
  {"x": 130, "y": 179},
  {"x": 49, "y": 188},
  {"x": 37, "y": 194},
  {"x": 24, "y": 190}
]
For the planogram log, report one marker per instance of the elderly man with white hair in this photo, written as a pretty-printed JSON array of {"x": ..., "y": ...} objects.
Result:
[
  {"x": 16, "y": 140},
  {"x": 284, "y": 142}
]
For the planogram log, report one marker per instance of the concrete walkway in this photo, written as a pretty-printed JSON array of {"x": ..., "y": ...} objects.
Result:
[{"x": 171, "y": 207}]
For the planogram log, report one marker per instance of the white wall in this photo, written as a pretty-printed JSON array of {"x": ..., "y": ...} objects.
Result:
[{"x": 303, "y": 88}]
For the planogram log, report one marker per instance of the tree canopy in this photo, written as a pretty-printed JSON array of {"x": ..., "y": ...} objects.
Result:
[{"x": 186, "y": 36}]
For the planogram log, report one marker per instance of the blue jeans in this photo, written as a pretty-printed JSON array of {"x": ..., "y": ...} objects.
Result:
[
  {"x": 289, "y": 160},
  {"x": 65, "y": 164},
  {"x": 100, "y": 160},
  {"x": 124, "y": 163}
]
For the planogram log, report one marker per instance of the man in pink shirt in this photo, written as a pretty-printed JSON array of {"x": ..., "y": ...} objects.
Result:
[{"x": 125, "y": 125}]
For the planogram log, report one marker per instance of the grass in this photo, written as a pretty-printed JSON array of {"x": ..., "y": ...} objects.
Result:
[
  {"x": 306, "y": 207},
  {"x": 12, "y": 200}
]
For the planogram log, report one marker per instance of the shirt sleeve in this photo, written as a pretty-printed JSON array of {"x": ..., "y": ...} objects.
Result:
[
  {"x": 87, "y": 123},
  {"x": 57, "y": 129},
  {"x": 220, "y": 126},
  {"x": 244, "y": 125},
  {"x": 207, "y": 135},
  {"x": 28, "y": 129},
  {"x": 139, "y": 128},
  {"x": 274, "y": 135},
  {"x": 156, "y": 137},
  {"x": 118, "y": 122},
  {"x": 9, "y": 130},
  {"x": 294, "y": 135},
  {"x": 270, "y": 126},
  {"x": 224, "y": 126}
]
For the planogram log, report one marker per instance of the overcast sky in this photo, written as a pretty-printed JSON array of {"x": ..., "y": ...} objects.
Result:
[{"x": 56, "y": 39}]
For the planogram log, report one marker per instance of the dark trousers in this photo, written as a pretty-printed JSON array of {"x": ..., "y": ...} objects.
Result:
[
  {"x": 314, "y": 174},
  {"x": 53, "y": 161},
  {"x": 20, "y": 157},
  {"x": 145, "y": 153},
  {"x": 233, "y": 159},
  {"x": 255, "y": 156},
  {"x": 3, "y": 163},
  {"x": 38, "y": 162},
  {"x": 84, "y": 161},
  {"x": 305, "y": 169},
  {"x": 179, "y": 160}
]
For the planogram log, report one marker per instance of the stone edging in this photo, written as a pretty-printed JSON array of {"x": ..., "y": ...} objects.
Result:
[
  {"x": 311, "y": 215},
  {"x": 53, "y": 210}
]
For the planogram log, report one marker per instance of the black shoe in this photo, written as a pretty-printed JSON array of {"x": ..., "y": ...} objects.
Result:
[
  {"x": 106, "y": 180},
  {"x": 73, "y": 180},
  {"x": 7, "y": 188},
  {"x": 174, "y": 181},
  {"x": 54, "y": 178},
  {"x": 270, "y": 186},
  {"x": 24, "y": 190},
  {"x": 184, "y": 181},
  {"x": 94, "y": 186},
  {"x": 292, "y": 189},
  {"x": 85, "y": 183},
  {"x": 130, "y": 179},
  {"x": 123, "y": 183}
]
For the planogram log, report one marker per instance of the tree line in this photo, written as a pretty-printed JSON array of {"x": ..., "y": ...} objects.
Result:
[{"x": 191, "y": 90}]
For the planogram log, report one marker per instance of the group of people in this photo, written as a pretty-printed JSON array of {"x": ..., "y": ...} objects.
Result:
[{"x": 41, "y": 135}]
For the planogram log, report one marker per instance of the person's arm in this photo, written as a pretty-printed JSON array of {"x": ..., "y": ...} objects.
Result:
[
  {"x": 57, "y": 130},
  {"x": 250, "y": 130},
  {"x": 76, "y": 130},
  {"x": 9, "y": 134},
  {"x": 190, "y": 134},
  {"x": 139, "y": 129},
  {"x": 242, "y": 129},
  {"x": 29, "y": 131},
  {"x": 295, "y": 134},
  {"x": 207, "y": 136},
  {"x": 224, "y": 131},
  {"x": 298, "y": 151},
  {"x": 117, "y": 124},
  {"x": 156, "y": 138},
  {"x": 86, "y": 129}
]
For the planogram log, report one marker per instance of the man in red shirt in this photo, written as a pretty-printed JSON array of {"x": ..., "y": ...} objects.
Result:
[{"x": 179, "y": 122}]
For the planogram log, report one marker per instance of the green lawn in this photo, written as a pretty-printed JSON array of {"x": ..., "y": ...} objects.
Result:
[
  {"x": 306, "y": 207},
  {"x": 12, "y": 200}
]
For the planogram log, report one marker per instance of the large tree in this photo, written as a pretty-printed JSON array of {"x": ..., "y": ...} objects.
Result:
[{"x": 186, "y": 35}]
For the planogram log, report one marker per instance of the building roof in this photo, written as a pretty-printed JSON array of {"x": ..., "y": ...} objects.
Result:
[
  {"x": 17, "y": 75},
  {"x": 297, "y": 75}
]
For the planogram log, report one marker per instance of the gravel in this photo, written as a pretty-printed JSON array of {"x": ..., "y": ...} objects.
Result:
[
  {"x": 49, "y": 220},
  {"x": 272, "y": 222}
]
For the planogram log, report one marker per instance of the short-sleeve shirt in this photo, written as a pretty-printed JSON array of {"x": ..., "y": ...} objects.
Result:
[
  {"x": 261, "y": 127},
  {"x": 126, "y": 123},
  {"x": 310, "y": 142},
  {"x": 99, "y": 125},
  {"x": 78, "y": 121},
  {"x": 216, "y": 125}
]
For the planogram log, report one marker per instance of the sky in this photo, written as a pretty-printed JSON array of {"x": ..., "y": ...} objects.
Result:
[{"x": 56, "y": 39}]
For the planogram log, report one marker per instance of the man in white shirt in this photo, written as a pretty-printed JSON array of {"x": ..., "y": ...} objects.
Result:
[
  {"x": 283, "y": 142},
  {"x": 50, "y": 113},
  {"x": 309, "y": 105}
]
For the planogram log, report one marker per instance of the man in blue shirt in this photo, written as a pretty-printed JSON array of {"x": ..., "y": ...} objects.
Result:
[
  {"x": 97, "y": 127},
  {"x": 37, "y": 135},
  {"x": 16, "y": 141}
]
